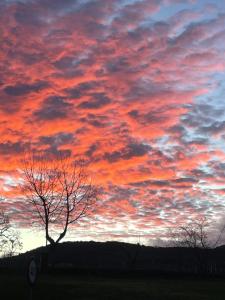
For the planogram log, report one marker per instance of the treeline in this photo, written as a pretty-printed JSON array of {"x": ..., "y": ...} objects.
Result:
[{"x": 116, "y": 257}]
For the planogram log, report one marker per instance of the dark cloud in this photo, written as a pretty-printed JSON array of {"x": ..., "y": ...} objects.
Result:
[
  {"x": 97, "y": 100},
  {"x": 9, "y": 107},
  {"x": 59, "y": 139},
  {"x": 52, "y": 151},
  {"x": 136, "y": 149},
  {"x": 185, "y": 180},
  {"x": 215, "y": 127},
  {"x": 58, "y": 34},
  {"x": 148, "y": 183},
  {"x": 91, "y": 150},
  {"x": 22, "y": 89},
  {"x": 205, "y": 120},
  {"x": 201, "y": 174},
  {"x": 118, "y": 64},
  {"x": 178, "y": 128},
  {"x": 94, "y": 30},
  {"x": 149, "y": 117},
  {"x": 55, "y": 141},
  {"x": 182, "y": 135},
  {"x": 10, "y": 148},
  {"x": 32, "y": 58},
  {"x": 194, "y": 33},
  {"x": 81, "y": 89},
  {"x": 173, "y": 183},
  {"x": 200, "y": 33},
  {"x": 132, "y": 13},
  {"x": 201, "y": 114},
  {"x": 134, "y": 113},
  {"x": 26, "y": 15},
  {"x": 27, "y": 56},
  {"x": 152, "y": 117},
  {"x": 68, "y": 74},
  {"x": 97, "y": 9},
  {"x": 99, "y": 121},
  {"x": 132, "y": 150},
  {"x": 197, "y": 141},
  {"x": 57, "y": 5},
  {"x": 217, "y": 169},
  {"x": 147, "y": 90},
  {"x": 12, "y": 96},
  {"x": 123, "y": 192},
  {"x": 53, "y": 107},
  {"x": 65, "y": 62}
]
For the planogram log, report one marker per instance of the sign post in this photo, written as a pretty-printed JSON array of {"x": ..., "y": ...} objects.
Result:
[{"x": 32, "y": 276}]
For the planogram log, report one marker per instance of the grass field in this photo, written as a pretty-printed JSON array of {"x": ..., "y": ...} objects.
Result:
[{"x": 91, "y": 288}]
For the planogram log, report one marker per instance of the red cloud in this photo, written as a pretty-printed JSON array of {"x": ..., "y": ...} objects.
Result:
[{"x": 108, "y": 82}]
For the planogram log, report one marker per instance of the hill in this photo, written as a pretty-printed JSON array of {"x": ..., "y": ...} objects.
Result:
[{"x": 116, "y": 257}]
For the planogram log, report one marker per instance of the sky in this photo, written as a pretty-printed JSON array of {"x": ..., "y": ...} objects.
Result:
[{"x": 137, "y": 89}]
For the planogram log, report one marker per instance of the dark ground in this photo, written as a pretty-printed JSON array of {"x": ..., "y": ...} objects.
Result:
[
  {"x": 53, "y": 287},
  {"x": 116, "y": 271}
]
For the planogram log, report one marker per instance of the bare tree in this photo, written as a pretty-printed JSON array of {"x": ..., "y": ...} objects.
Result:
[
  {"x": 191, "y": 235},
  {"x": 4, "y": 229},
  {"x": 200, "y": 233},
  {"x": 4, "y": 223},
  {"x": 199, "y": 237},
  {"x": 10, "y": 241},
  {"x": 12, "y": 244},
  {"x": 60, "y": 191}
]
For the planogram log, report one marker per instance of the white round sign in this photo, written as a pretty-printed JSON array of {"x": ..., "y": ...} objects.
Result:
[{"x": 32, "y": 272}]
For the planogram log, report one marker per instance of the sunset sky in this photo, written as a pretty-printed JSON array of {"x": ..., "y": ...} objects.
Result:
[{"x": 135, "y": 87}]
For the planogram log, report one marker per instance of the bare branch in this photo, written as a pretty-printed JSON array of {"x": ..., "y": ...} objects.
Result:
[
  {"x": 59, "y": 189},
  {"x": 192, "y": 235}
]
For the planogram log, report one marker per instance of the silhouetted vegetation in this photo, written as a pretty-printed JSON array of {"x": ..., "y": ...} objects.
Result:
[
  {"x": 60, "y": 191},
  {"x": 91, "y": 270},
  {"x": 10, "y": 241},
  {"x": 122, "y": 258}
]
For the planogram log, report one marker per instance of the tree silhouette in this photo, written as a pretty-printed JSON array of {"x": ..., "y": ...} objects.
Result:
[
  {"x": 10, "y": 241},
  {"x": 191, "y": 235},
  {"x": 4, "y": 229},
  {"x": 60, "y": 191}
]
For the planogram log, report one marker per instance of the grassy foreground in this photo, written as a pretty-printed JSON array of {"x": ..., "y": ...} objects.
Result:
[{"x": 90, "y": 288}]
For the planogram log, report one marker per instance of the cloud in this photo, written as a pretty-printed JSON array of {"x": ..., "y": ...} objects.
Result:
[
  {"x": 133, "y": 149},
  {"x": 59, "y": 139},
  {"x": 133, "y": 87},
  {"x": 81, "y": 89},
  {"x": 64, "y": 62},
  {"x": 54, "y": 107},
  {"x": 9, "y": 148},
  {"x": 205, "y": 120},
  {"x": 99, "y": 121},
  {"x": 26, "y": 16},
  {"x": 24, "y": 88},
  {"x": 91, "y": 150},
  {"x": 133, "y": 13},
  {"x": 97, "y": 100}
]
